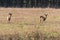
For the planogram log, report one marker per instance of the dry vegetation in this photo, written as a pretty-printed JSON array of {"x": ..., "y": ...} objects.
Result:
[{"x": 25, "y": 24}]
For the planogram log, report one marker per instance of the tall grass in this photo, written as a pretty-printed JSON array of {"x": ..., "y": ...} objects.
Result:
[
  {"x": 29, "y": 32},
  {"x": 28, "y": 27}
]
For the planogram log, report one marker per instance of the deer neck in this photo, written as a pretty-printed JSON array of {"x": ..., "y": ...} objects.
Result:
[{"x": 9, "y": 15}]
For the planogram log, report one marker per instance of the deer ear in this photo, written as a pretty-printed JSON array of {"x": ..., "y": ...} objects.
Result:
[{"x": 46, "y": 14}]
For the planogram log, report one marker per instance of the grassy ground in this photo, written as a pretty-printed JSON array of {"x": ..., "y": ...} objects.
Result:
[{"x": 25, "y": 24}]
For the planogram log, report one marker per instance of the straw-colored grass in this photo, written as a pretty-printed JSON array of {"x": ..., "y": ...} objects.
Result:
[{"x": 25, "y": 24}]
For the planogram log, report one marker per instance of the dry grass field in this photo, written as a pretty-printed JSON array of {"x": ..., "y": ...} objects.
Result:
[{"x": 25, "y": 24}]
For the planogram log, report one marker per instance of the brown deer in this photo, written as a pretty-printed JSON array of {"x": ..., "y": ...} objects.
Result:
[
  {"x": 43, "y": 17},
  {"x": 9, "y": 17}
]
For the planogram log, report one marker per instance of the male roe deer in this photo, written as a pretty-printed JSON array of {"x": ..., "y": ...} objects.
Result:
[{"x": 43, "y": 17}]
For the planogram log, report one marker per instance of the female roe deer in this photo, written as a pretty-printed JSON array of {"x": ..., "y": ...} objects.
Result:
[{"x": 9, "y": 17}]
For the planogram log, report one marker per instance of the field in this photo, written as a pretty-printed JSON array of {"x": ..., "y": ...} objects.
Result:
[{"x": 25, "y": 24}]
